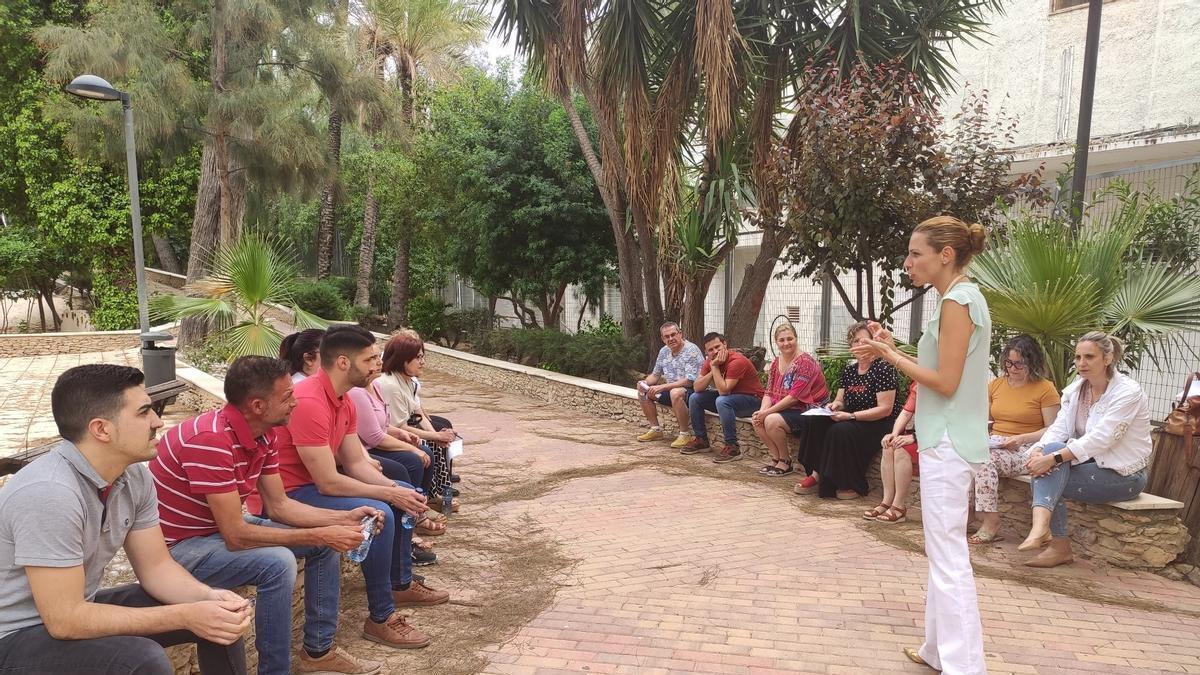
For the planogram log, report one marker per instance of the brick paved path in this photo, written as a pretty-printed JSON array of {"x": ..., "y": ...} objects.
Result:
[{"x": 579, "y": 550}]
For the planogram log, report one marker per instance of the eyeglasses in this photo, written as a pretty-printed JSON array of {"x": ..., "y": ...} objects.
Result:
[{"x": 1020, "y": 365}]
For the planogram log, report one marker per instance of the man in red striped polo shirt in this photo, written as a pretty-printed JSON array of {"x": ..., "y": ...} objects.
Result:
[{"x": 204, "y": 470}]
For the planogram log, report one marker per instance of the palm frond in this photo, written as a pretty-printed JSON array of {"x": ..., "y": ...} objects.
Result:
[{"x": 250, "y": 339}]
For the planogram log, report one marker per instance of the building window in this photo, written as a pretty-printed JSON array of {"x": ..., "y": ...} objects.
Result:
[{"x": 1064, "y": 5}]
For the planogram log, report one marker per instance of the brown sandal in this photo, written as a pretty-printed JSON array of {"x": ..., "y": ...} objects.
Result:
[
  {"x": 430, "y": 528},
  {"x": 894, "y": 514},
  {"x": 876, "y": 512}
]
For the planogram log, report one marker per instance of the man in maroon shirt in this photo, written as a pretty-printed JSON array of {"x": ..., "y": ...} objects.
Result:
[
  {"x": 204, "y": 471},
  {"x": 737, "y": 392}
]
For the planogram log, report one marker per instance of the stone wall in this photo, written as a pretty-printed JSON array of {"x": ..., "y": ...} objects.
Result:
[
  {"x": 1148, "y": 539},
  {"x": 608, "y": 400},
  {"x": 38, "y": 344}
]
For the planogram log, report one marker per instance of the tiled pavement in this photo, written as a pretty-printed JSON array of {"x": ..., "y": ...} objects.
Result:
[
  {"x": 666, "y": 563},
  {"x": 25, "y": 385}
]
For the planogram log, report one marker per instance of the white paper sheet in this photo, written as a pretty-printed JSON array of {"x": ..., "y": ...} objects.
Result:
[
  {"x": 818, "y": 412},
  {"x": 455, "y": 448},
  {"x": 1195, "y": 390},
  {"x": 996, "y": 442}
]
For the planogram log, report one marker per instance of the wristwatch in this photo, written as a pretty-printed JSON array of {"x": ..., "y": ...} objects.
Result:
[
  {"x": 853, "y": 417},
  {"x": 1058, "y": 458}
]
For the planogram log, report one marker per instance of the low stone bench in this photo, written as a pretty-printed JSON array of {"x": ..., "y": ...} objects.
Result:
[{"x": 1141, "y": 533}]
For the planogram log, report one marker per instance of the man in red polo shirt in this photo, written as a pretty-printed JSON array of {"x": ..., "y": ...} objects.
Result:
[
  {"x": 736, "y": 392},
  {"x": 323, "y": 434},
  {"x": 204, "y": 470}
]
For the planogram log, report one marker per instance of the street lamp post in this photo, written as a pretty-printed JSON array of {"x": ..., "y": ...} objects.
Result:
[{"x": 98, "y": 89}]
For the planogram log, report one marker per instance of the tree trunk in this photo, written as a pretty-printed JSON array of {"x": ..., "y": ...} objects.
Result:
[
  {"x": 675, "y": 295},
  {"x": 48, "y": 292},
  {"x": 398, "y": 313},
  {"x": 366, "y": 249},
  {"x": 205, "y": 224},
  {"x": 325, "y": 224},
  {"x": 741, "y": 326},
  {"x": 167, "y": 261},
  {"x": 629, "y": 267}
]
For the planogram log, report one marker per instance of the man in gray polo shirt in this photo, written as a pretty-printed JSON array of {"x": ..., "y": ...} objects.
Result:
[{"x": 62, "y": 519}]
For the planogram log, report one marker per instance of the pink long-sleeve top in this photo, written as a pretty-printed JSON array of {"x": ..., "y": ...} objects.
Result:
[{"x": 372, "y": 416}]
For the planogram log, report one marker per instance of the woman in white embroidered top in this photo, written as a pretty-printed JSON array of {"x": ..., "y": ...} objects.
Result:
[{"x": 1095, "y": 452}]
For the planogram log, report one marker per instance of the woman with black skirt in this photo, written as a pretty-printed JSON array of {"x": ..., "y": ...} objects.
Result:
[{"x": 840, "y": 449}]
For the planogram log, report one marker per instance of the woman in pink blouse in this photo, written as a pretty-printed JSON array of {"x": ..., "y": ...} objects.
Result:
[{"x": 795, "y": 383}]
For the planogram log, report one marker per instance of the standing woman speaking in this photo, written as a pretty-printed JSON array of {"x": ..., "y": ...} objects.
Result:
[{"x": 952, "y": 370}]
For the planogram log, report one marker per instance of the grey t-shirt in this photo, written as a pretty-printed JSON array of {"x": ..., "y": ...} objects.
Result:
[{"x": 51, "y": 515}]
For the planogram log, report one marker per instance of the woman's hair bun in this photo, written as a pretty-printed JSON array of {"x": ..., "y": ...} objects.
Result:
[{"x": 978, "y": 238}]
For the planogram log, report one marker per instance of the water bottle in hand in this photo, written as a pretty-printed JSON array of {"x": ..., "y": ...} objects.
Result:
[
  {"x": 360, "y": 554},
  {"x": 407, "y": 521}
]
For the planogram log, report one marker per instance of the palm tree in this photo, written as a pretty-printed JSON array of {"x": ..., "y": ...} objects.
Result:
[
  {"x": 249, "y": 277},
  {"x": 662, "y": 76},
  {"x": 1042, "y": 279},
  {"x": 413, "y": 41}
]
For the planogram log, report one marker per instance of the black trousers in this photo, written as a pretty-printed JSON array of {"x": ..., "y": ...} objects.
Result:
[
  {"x": 842, "y": 452},
  {"x": 32, "y": 650}
]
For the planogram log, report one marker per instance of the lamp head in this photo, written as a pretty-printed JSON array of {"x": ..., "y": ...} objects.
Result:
[{"x": 93, "y": 87}]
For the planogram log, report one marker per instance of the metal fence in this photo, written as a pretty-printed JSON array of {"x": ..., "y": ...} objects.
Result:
[{"x": 818, "y": 314}]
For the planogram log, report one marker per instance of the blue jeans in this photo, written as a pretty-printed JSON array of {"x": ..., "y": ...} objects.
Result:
[
  {"x": 728, "y": 408},
  {"x": 389, "y": 561},
  {"x": 401, "y": 465},
  {"x": 272, "y": 571},
  {"x": 1087, "y": 482}
]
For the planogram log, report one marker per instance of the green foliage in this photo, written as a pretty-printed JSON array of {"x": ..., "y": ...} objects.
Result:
[
  {"x": 606, "y": 327},
  {"x": 248, "y": 276},
  {"x": 597, "y": 356},
  {"x": 116, "y": 303},
  {"x": 847, "y": 169},
  {"x": 507, "y": 184},
  {"x": 1047, "y": 281},
  {"x": 467, "y": 324},
  {"x": 322, "y": 298},
  {"x": 427, "y": 316},
  {"x": 1169, "y": 230}
]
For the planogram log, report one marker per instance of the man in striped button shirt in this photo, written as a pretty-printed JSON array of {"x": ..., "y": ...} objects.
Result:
[{"x": 205, "y": 469}]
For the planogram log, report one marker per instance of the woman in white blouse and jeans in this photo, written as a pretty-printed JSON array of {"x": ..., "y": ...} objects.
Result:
[{"x": 1095, "y": 452}]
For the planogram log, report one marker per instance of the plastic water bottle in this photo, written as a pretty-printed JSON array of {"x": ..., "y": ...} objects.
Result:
[
  {"x": 360, "y": 554},
  {"x": 447, "y": 498},
  {"x": 406, "y": 519}
]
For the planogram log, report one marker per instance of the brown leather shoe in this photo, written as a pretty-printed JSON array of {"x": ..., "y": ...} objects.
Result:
[
  {"x": 419, "y": 595},
  {"x": 337, "y": 660},
  {"x": 395, "y": 632}
]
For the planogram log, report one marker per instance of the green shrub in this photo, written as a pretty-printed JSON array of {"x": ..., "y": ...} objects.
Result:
[
  {"x": 427, "y": 316},
  {"x": 321, "y": 298},
  {"x": 596, "y": 356},
  {"x": 346, "y": 288},
  {"x": 467, "y": 324},
  {"x": 116, "y": 306},
  {"x": 607, "y": 326}
]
